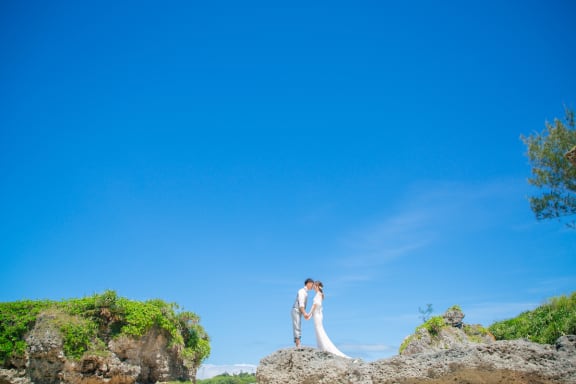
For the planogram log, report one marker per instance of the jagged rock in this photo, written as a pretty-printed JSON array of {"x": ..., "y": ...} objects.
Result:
[
  {"x": 126, "y": 360},
  {"x": 100, "y": 370},
  {"x": 45, "y": 352},
  {"x": 446, "y": 338},
  {"x": 443, "y": 350},
  {"x": 14, "y": 376},
  {"x": 453, "y": 317},
  {"x": 450, "y": 334},
  {"x": 151, "y": 352},
  {"x": 309, "y": 365},
  {"x": 517, "y": 361},
  {"x": 566, "y": 344}
]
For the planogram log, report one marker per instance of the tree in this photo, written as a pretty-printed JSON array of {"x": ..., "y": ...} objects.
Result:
[
  {"x": 550, "y": 153},
  {"x": 425, "y": 313},
  {"x": 226, "y": 378}
]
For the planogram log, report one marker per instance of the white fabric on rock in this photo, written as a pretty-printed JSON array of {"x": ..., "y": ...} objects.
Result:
[{"x": 322, "y": 339}]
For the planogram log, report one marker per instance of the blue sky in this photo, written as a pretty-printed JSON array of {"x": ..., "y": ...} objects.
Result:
[{"x": 215, "y": 154}]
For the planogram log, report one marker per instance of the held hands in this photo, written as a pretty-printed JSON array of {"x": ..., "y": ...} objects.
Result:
[{"x": 307, "y": 316}]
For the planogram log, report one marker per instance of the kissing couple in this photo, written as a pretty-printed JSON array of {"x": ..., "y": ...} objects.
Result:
[{"x": 299, "y": 310}]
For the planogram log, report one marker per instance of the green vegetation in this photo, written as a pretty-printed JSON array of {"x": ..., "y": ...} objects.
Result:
[
  {"x": 433, "y": 325},
  {"x": 87, "y": 324},
  {"x": 16, "y": 318},
  {"x": 475, "y": 333},
  {"x": 405, "y": 343},
  {"x": 552, "y": 171},
  {"x": 241, "y": 378},
  {"x": 555, "y": 318},
  {"x": 225, "y": 378},
  {"x": 544, "y": 325},
  {"x": 78, "y": 336}
]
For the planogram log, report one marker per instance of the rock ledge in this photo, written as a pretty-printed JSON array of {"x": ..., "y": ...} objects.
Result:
[{"x": 517, "y": 361}]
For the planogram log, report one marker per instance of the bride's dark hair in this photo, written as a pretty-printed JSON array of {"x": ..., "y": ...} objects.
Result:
[{"x": 320, "y": 286}]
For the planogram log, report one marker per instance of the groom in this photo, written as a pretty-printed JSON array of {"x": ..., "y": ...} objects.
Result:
[{"x": 299, "y": 309}]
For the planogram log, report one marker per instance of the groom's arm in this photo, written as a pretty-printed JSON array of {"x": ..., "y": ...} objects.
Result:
[{"x": 301, "y": 301}]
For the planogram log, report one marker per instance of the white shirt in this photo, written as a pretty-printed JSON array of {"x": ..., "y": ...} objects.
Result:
[{"x": 302, "y": 297}]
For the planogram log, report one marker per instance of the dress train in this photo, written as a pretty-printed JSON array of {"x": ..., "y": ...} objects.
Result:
[{"x": 322, "y": 340}]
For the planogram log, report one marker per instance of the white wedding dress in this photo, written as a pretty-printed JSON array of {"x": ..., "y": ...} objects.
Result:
[{"x": 322, "y": 339}]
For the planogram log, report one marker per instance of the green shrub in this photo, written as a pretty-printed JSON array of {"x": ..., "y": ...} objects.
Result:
[
  {"x": 78, "y": 337},
  {"x": 433, "y": 325},
  {"x": 16, "y": 318},
  {"x": 405, "y": 343},
  {"x": 225, "y": 378},
  {"x": 555, "y": 318},
  {"x": 475, "y": 333},
  {"x": 86, "y": 324}
]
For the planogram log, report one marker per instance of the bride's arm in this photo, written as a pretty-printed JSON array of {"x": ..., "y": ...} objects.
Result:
[{"x": 309, "y": 315}]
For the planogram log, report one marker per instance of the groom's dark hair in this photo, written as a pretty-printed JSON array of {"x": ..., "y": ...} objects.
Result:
[{"x": 308, "y": 280}]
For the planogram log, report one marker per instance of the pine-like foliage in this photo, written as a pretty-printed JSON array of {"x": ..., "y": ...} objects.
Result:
[{"x": 553, "y": 173}]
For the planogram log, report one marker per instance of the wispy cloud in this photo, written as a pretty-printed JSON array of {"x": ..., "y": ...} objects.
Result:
[
  {"x": 430, "y": 212},
  {"x": 393, "y": 237}
]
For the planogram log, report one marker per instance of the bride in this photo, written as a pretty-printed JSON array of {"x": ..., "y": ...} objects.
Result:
[{"x": 322, "y": 339}]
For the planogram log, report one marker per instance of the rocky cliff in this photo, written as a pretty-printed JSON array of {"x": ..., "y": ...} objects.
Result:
[
  {"x": 125, "y": 360},
  {"x": 506, "y": 362},
  {"x": 444, "y": 332},
  {"x": 86, "y": 342},
  {"x": 441, "y": 351}
]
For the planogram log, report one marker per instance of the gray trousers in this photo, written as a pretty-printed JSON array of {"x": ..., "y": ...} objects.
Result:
[{"x": 296, "y": 323}]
